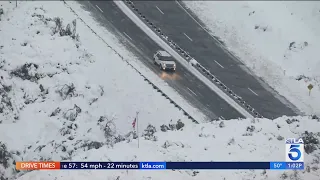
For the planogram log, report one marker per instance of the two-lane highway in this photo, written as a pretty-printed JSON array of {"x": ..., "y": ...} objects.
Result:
[
  {"x": 188, "y": 86},
  {"x": 186, "y": 30}
]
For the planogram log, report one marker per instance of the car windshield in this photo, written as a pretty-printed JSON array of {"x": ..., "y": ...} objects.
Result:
[{"x": 165, "y": 58}]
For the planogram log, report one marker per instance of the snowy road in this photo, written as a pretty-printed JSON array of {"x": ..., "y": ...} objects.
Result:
[
  {"x": 177, "y": 23},
  {"x": 191, "y": 88}
]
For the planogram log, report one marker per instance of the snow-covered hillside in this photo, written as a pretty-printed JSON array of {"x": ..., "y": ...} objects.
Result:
[
  {"x": 250, "y": 140},
  {"x": 279, "y": 41},
  {"x": 63, "y": 88},
  {"x": 67, "y": 95}
]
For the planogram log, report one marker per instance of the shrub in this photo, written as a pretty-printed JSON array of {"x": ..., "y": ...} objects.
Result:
[
  {"x": 311, "y": 141},
  {"x": 72, "y": 114},
  {"x": 27, "y": 72},
  {"x": 149, "y": 133},
  {"x": 67, "y": 91},
  {"x": 5, "y": 155},
  {"x": 179, "y": 124}
]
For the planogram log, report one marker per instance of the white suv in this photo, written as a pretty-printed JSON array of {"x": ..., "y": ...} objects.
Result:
[{"x": 164, "y": 60}]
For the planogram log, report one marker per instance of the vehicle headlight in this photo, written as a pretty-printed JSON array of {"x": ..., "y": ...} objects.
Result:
[
  {"x": 164, "y": 65},
  {"x": 174, "y": 65}
]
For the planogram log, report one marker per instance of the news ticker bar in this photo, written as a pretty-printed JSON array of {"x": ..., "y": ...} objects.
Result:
[{"x": 158, "y": 165}]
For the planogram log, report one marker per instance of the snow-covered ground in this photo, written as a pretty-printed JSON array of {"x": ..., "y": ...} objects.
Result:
[
  {"x": 66, "y": 95},
  {"x": 279, "y": 41},
  {"x": 59, "y": 88},
  {"x": 258, "y": 140}
]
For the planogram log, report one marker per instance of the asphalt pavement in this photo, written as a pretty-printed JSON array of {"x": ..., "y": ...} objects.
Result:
[
  {"x": 185, "y": 30},
  {"x": 189, "y": 87}
]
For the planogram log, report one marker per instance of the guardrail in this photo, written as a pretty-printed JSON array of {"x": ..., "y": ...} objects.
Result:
[
  {"x": 186, "y": 56},
  {"x": 128, "y": 63}
]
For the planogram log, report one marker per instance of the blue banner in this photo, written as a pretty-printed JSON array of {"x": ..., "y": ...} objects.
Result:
[
  {"x": 182, "y": 165},
  {"x": 295, "y": 165},
  {"x": 218, "y": 165},
  {"x": 153, "y": 165},
  {"x": 278, "y": 165},
  {"x": 286, "y": 165}
]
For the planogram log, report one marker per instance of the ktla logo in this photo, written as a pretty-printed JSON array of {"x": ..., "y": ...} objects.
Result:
[{"x": 294, "y": 150}]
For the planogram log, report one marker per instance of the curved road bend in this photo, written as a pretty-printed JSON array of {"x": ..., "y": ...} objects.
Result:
[
  {"x": 188, "y": 86},
  {"x": 175, "y": 21}
]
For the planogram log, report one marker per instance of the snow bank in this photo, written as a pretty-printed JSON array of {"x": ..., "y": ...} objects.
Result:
[{"x": 279, "y": 41}]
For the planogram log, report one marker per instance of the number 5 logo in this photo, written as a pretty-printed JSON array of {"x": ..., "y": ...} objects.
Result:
[{"x": 294, "y": 149}]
